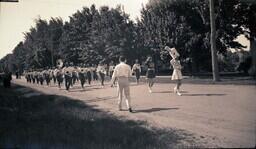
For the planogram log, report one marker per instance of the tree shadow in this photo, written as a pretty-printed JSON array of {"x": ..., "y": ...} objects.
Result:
[
  {"x": 154, "y": 110},
  {"x": 97, "y": 99},
  {"x": 78, "y": 90},
  {"x": 203, "y": 94},
  {"x": 168, "y": 92},
  {"x": 50, "y": 121}
]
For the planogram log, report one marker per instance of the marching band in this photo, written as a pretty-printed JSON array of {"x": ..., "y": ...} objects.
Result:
[{"x": 83, "y": 73}]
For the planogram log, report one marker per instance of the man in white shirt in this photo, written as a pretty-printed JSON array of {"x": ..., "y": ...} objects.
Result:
[{"x": 122, "y": 72}]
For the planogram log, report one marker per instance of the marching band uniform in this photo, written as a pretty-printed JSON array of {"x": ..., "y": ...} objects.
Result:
[
  {"x": 94, "y": 73},
  {"x": 176, "y": 75},
  {"x": 47, "y": 76},
  {"x": 68, "y": 76},
  {"x": 111, "y": 69},
  {"x": 74, "y": 75},
  {"x": 41, "y": 77},
  {"x": 136, "y": 69},
  {"x": 33, "y": 77},
  {"x": 54, "y": 75},
  {"x": 28, "y": 77},
  {"x": 89, "y": 75},
  {"x": 37, "y": 77},
  {"x": 101, "y": 70},
  {"x": 150, "y": 74},
  {"x": 59, "y": 77},
  {"x": 82, "y": 76}
]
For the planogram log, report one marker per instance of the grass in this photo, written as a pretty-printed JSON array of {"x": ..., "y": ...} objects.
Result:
[{"x": 49, "y": 121}]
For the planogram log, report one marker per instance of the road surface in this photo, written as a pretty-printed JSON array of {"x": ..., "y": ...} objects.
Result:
[{"x": 221, "y": 115}]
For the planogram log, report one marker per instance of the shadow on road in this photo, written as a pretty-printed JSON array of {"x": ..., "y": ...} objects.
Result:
[
  {"x": 50, "y": 121},
  {"x": 97, "y": 99},
  {"x": 168, "y": 92},
  {"x": 154, "y": 110},
  {"x": 203, "y": 94}
]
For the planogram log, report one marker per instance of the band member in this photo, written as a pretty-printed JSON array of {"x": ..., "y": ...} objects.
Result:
[
  {"x": 47, "y": 76},
  {"x": 37, "y": 76},
  {"x": 82, "y": 75},
  {"x": 150, "y": 74},
  {"x": 54, "y": 75},
  {"x": 17, "y": 74},
  {"x": 111, "y": 68},
  {"x": 89, "y": 74},
  {"x": 41, "y": 77},
  {"x": 68, "y": 76},
  {"x": 59, "y": 77},
  {"x": 136, "y": 69},
  {"x": 94, "y": 73},
  {"x": 74, "y": 75},
  {"x": 101, "y": 70},
  {"x": 176, "y": 75},
  {"x": 33, "y": 76},
  {"x": 122, "y": 72},
  {"x": 28, "y": 76}
]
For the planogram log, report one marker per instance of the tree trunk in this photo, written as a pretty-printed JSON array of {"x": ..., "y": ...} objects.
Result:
[{"x": 215, "y": 70}]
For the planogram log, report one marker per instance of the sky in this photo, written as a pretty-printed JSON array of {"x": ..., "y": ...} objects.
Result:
[{"x": 17, "y": 18}]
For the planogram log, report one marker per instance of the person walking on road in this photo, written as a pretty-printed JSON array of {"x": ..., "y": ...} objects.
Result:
[
  {"x": 82, "y": 75},
  {"x": 101, "y": 70},
  {"x": 111, "y": 69},
  {"x": 136, "y": 69},
  {"x": 151, "y": 74},
  {"x": 122, "y": 72},
  {"x": 68, "y": 76},
  {"x": 176, "y": 75},
  {"x": 59, "y": 77},
  {"x": 89, "y": 74}
]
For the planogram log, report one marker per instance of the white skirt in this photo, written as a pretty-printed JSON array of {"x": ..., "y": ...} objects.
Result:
[{"x": 176, "y": 75}]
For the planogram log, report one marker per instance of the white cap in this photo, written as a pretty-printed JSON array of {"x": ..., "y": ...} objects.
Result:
[{"x": 173, "y": 52}]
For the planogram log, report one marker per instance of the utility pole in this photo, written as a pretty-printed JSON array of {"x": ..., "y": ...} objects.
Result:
[{"x": 215, "y": 69}]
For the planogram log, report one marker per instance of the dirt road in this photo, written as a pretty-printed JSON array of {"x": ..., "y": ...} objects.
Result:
[{"x": 221, "y": 115}]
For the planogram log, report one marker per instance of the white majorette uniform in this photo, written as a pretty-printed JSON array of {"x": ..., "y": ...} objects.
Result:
[
  {"x": 176, "y": 75},
  {"x": 122, "y": 72}
]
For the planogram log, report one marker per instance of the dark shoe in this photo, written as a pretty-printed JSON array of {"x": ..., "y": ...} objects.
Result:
[{"x": 130, "y": 110}]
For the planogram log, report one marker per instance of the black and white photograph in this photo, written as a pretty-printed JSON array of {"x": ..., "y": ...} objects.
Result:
[{"x": 127, "y": 74}]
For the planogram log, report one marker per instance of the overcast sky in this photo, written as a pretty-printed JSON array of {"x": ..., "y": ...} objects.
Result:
[{"x": 16, "y": 18}]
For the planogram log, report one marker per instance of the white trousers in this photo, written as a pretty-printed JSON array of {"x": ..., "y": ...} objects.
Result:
[{"x": 123, "y": 88}]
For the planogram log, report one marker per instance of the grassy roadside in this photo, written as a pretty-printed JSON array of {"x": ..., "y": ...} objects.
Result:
[{"x": 49, "y": 121}]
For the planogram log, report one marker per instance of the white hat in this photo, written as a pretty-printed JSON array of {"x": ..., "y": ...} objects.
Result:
[{"x": 173, "y": 52}]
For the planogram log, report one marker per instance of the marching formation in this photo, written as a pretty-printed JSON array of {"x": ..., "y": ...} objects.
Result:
[
  {"x": 69, "y": 75},
  {"x": 119, "y": 74}
]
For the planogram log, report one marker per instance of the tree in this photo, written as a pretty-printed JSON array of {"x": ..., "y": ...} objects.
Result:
[{"x": 186, "y": 25}]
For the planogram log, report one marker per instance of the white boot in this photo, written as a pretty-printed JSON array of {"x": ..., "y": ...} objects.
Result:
[
  {"x": 149, "y": 90},
  {"x": 178, "y": 93},
  {"x": 175, "y": 89}
]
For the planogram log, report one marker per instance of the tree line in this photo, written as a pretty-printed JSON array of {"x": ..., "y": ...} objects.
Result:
[{"x": 93, "y": 35}]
